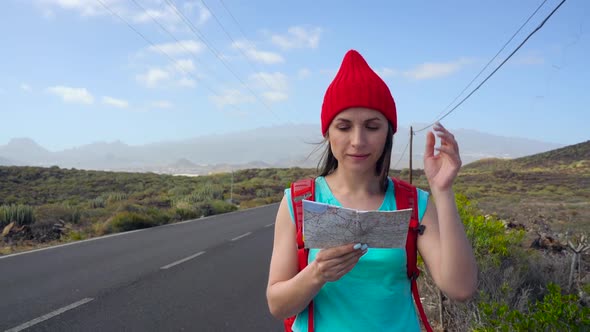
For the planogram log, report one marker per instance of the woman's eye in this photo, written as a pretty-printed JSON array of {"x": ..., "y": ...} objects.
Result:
[
  {"x": 372, "y": 128},
  {"x": 343, "y": 128}
]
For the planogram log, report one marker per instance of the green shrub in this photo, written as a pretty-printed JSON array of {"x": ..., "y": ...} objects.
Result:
[
  {"x": 185, "y": 214},
  {"x": 75, "y": 236},
  {"x": 158, "y": 216},
  {"x": 555, "y": 312},
  {"x": 55, "y": 212},
  {"x": 98, "y": 202},
  {"x": 127, "y": 221},
  {"x": 20, "y": 214},
  {"x": 116, "y": 197},
  {"x": 488, "y": 236},
  {"x": 219, "y": 207}
]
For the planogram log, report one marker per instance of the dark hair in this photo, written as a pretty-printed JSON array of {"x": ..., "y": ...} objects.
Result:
[{"x": 328, "y": 163}]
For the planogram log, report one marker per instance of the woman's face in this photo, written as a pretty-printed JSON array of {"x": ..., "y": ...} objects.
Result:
[{"x": 357, "y": 137}]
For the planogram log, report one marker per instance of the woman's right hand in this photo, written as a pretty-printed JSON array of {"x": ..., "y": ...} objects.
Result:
[{"x": 332, "y": 263}]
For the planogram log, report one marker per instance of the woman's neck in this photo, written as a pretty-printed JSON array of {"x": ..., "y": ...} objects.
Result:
[{"x": 349, "y": 183}]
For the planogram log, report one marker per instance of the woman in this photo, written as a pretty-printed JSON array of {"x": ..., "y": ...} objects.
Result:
[{"x": 355, "y": 288}]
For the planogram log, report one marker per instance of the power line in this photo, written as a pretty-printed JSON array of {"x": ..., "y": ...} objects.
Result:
[
  {"x": 497, "y": 68},
  {"x": 169, "y": 33},
  {"x": 402, "y": 155},
  {"x": 492, "y": 59},
  {"x": 217, "y": 54},
  {"x": 234, "y": 42},
  {"x": 235, "y": 20},
  {"x": 159, "y": 49}
]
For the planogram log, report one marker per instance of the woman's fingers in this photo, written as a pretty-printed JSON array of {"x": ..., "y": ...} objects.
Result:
[
  {"x": 329, "y": 259},
  {"x": 447, "y": 138},
  {"x": 332, "y": 266},
  {"x": 450, "y": 152},
  {"x": 330, "y": 253},
  {"x": 339, "y": 270},
  {"x": 430, "y": 140}
]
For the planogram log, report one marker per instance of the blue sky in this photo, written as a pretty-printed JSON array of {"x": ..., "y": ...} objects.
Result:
[{"x": 73, "y": 73}]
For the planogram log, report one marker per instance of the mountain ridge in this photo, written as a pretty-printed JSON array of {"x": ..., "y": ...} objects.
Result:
[{"x": 279, "y": 146}]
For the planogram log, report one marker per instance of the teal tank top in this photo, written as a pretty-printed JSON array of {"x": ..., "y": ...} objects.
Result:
[{"x": 375, "y": 295}]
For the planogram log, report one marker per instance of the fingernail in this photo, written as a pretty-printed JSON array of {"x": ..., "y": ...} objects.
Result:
[
  {"x": 365, "y": 247},
  {"x": 357, "y": 246}
]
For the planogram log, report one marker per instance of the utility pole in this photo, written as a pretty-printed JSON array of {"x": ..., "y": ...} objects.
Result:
[{"x": 231, "y": 190}]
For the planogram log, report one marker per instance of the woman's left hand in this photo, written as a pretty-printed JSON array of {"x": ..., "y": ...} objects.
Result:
[{"x": 442, "y": 168}]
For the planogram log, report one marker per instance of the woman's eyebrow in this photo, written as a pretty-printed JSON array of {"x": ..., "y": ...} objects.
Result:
[
  {"x": 373, "y": 119},
  {"x": 343, "y": 120},
  {"x": 368, "y": 120}
]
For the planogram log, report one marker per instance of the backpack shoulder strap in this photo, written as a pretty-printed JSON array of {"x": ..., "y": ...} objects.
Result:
[
  {"x": 300, "y": 190},
  {"x": 406, "y": 197}
]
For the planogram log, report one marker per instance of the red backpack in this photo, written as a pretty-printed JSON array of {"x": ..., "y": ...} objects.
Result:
[{"x": 406, "y": 196}]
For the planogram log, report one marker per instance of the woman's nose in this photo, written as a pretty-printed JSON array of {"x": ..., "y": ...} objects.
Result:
[{"x": 358, "y": 137}]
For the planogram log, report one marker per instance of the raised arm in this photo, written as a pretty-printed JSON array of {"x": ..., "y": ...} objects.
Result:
[{"x": 444, "y": 245}]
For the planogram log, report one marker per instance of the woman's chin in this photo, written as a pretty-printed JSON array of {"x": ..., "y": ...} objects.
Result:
[{"x": 358, "y": 167}]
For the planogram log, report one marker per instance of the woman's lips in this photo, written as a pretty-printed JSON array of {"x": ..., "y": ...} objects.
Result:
[{"x": 358, "y": 156}]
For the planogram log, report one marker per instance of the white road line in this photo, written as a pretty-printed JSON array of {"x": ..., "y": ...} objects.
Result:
[
  {"x": 269, "y": 225},
  {"x": 182, "y": 260},
  {"x": 241, "y": 236},
  {"x": 49, "y": 315}
]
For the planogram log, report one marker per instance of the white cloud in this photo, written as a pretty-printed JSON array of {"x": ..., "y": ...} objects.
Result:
[
  {"x": 298, "y": 37},
  {"x": 163, "y": 104},
  {"x": 204, "y": 15},
  {"x": 166, "y": 16},
  {"x": 275, "y": 96},
  {"x": 275, "y": 81},
  {"x": 153, "y": 77},
  {"x": 25, "y": 87},
  {"x": 431, "y": 70},
  {"x": 260, "y": 56},
  {"x": 186, "y": 82},
  {"x": 387, "y": 72},
  {"x": 72, "y": 95},
  {"x": 275, "y": 84},
  {"x": 84, "y": 7},
  {"x": 119, "y": 103},
  {"x": 231, "y": 97},
  {"x": 178, "y": 48},
  {"x": 304, "y": 73},
  {"x": 184, "y": 66},
  {"x": 174, "y": 75}
]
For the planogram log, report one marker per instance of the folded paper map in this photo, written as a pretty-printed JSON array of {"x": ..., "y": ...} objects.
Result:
[{"x": 326, "y": 226}]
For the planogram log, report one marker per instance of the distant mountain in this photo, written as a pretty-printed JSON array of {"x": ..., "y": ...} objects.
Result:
[
  {"x": 183, "y": 163},
  {"x": 25, "y": 150},
  {"x": 279, "y": 146},
  {"x": 575, "y": 156},
  {"x": 572, "y": 155}
]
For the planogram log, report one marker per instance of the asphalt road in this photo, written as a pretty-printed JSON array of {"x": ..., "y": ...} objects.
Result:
[{"x": 203, "y": 275}]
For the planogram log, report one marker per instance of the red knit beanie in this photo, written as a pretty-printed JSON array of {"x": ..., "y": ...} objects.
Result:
[{"x": 357, "y": 85}]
